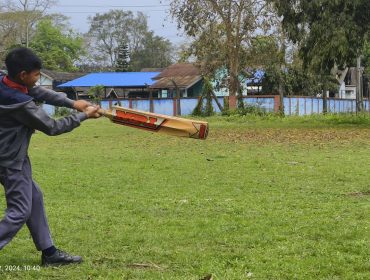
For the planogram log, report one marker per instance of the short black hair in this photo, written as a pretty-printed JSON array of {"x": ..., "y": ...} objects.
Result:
[{"x": 22, "y": 59}]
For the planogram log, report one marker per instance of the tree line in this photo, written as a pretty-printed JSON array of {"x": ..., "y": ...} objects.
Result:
[
  {"x": 301, "y": 45},
  {"x": 116, "y": 41}
]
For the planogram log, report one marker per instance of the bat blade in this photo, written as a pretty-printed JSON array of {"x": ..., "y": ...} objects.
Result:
[{"x": 176, "y": 126}]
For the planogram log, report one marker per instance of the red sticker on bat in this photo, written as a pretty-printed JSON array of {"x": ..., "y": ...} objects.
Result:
[{"x": 137, "y": 120}]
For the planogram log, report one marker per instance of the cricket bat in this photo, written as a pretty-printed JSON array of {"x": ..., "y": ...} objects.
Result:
[{"x": 157, "y": 123}]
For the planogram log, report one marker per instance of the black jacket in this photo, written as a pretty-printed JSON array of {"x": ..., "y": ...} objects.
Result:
[{"x": 20, "y": 116}]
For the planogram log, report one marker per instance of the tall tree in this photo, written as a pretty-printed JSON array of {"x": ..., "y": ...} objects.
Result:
[
  {"x": 58, "y": 50},
  {"x": 222, "y": 31},
  {"x": 109, "y": 30},
  {"x": 329, "y": 33},
  {"x": 18, "y": 20},
  {"x": 10, "y": 31},
  {"x": 366, "y": 54},
  {"x": 122, "y": 62},
  {"x": 155, "y": 52},
  {"x": 31, "y": 12}
]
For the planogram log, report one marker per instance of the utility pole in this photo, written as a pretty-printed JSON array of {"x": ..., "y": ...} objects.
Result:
[
  {"x": 26, "y": 20},
  {"x": 281, "y": 91},
  {"x": 359, "y": 89},
  {"x": 283, "y": 48}
]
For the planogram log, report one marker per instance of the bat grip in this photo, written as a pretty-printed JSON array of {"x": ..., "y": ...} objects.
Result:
[
  {"x": 102, "y": 112},
  {"x": 105, "y": 113}
]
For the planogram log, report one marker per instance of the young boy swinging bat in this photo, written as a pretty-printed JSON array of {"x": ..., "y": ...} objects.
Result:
[{"x": 19, "y": 117}]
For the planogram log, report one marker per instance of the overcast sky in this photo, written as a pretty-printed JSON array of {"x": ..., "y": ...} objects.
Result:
[{"x": 159, "y": 20}]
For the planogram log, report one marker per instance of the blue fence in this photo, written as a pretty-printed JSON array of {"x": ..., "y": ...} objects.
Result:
[
  {"x": 265, "y": 103},
  {"x": 311, "y": 105},
  {"x": 292, "y": 105}
]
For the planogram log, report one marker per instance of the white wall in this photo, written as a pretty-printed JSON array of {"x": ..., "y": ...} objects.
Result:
[{"x": 45, "y": 81}]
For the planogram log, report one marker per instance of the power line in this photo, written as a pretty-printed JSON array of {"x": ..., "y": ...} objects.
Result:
[
  {"x": 137, "y": 8},
  {"x": 63, "y": 12},
  {"x": 113, "y": 6}
]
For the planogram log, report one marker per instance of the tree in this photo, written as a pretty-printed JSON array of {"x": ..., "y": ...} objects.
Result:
[
  {"x": 155, "y": 52},
  {"x": 17, "y": 21},
  {"x": 207, "y": 93},
  {"x": 9, "y": 32},
  {"x": 283, "y": 68},
  {"x": 96, "y": 93},
  {"x": 122, "y": 63},
  {"x": 31, "y": 12},
  {"x": 108, "y": 31},
  {"x": 366, "y": 53},
  {"x": 329, "y": 33},
  {"x": 58, "y": 51},
  {"x": 222, "y": 31},
  {"x": 264, "y": 51}
]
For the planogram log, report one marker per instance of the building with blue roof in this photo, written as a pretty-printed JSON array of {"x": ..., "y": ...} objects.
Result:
[
  {"x": 116, "y": 84},
  {"x": 114, "y": 79},
  {"x": 180, "y": 79}
]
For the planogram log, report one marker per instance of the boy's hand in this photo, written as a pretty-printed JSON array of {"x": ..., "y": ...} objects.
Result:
[
  {"x": 81, "y": 105},
  {"x": 92, "y": 112}
]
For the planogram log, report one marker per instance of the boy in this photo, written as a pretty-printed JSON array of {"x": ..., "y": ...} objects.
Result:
[{"x": 19, "y": 117}]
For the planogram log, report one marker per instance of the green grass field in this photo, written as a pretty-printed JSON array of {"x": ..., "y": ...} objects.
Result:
[{"x": 261, "y": 198}]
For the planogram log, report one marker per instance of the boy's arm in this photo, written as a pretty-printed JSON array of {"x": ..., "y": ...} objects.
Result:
[
  {"x": 59, "y": 99},
  {"x": 35, "y": 117}
]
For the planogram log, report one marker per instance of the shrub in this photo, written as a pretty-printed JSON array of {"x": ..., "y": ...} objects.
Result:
[{"x": 62, "y": 112}]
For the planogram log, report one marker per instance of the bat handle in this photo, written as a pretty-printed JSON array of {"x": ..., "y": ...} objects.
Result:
[
  {"x": 102, "y": 112},
  {"x": 105, "y": 113}
]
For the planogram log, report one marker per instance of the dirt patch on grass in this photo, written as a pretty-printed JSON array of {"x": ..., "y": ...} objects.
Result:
[
  {"x": 145, "y": 266},
  {"x": 291, "y": 136},
  {"x": 359, "y": 194}
]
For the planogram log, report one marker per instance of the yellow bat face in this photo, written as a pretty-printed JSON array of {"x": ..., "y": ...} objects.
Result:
[{"x": 158, "y": 123}]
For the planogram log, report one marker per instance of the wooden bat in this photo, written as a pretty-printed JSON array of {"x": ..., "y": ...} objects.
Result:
[{"x": 157, "y": 123}]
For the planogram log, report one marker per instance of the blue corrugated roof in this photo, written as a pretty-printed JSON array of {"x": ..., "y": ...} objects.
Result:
[{"x": 114, "y": 79}]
